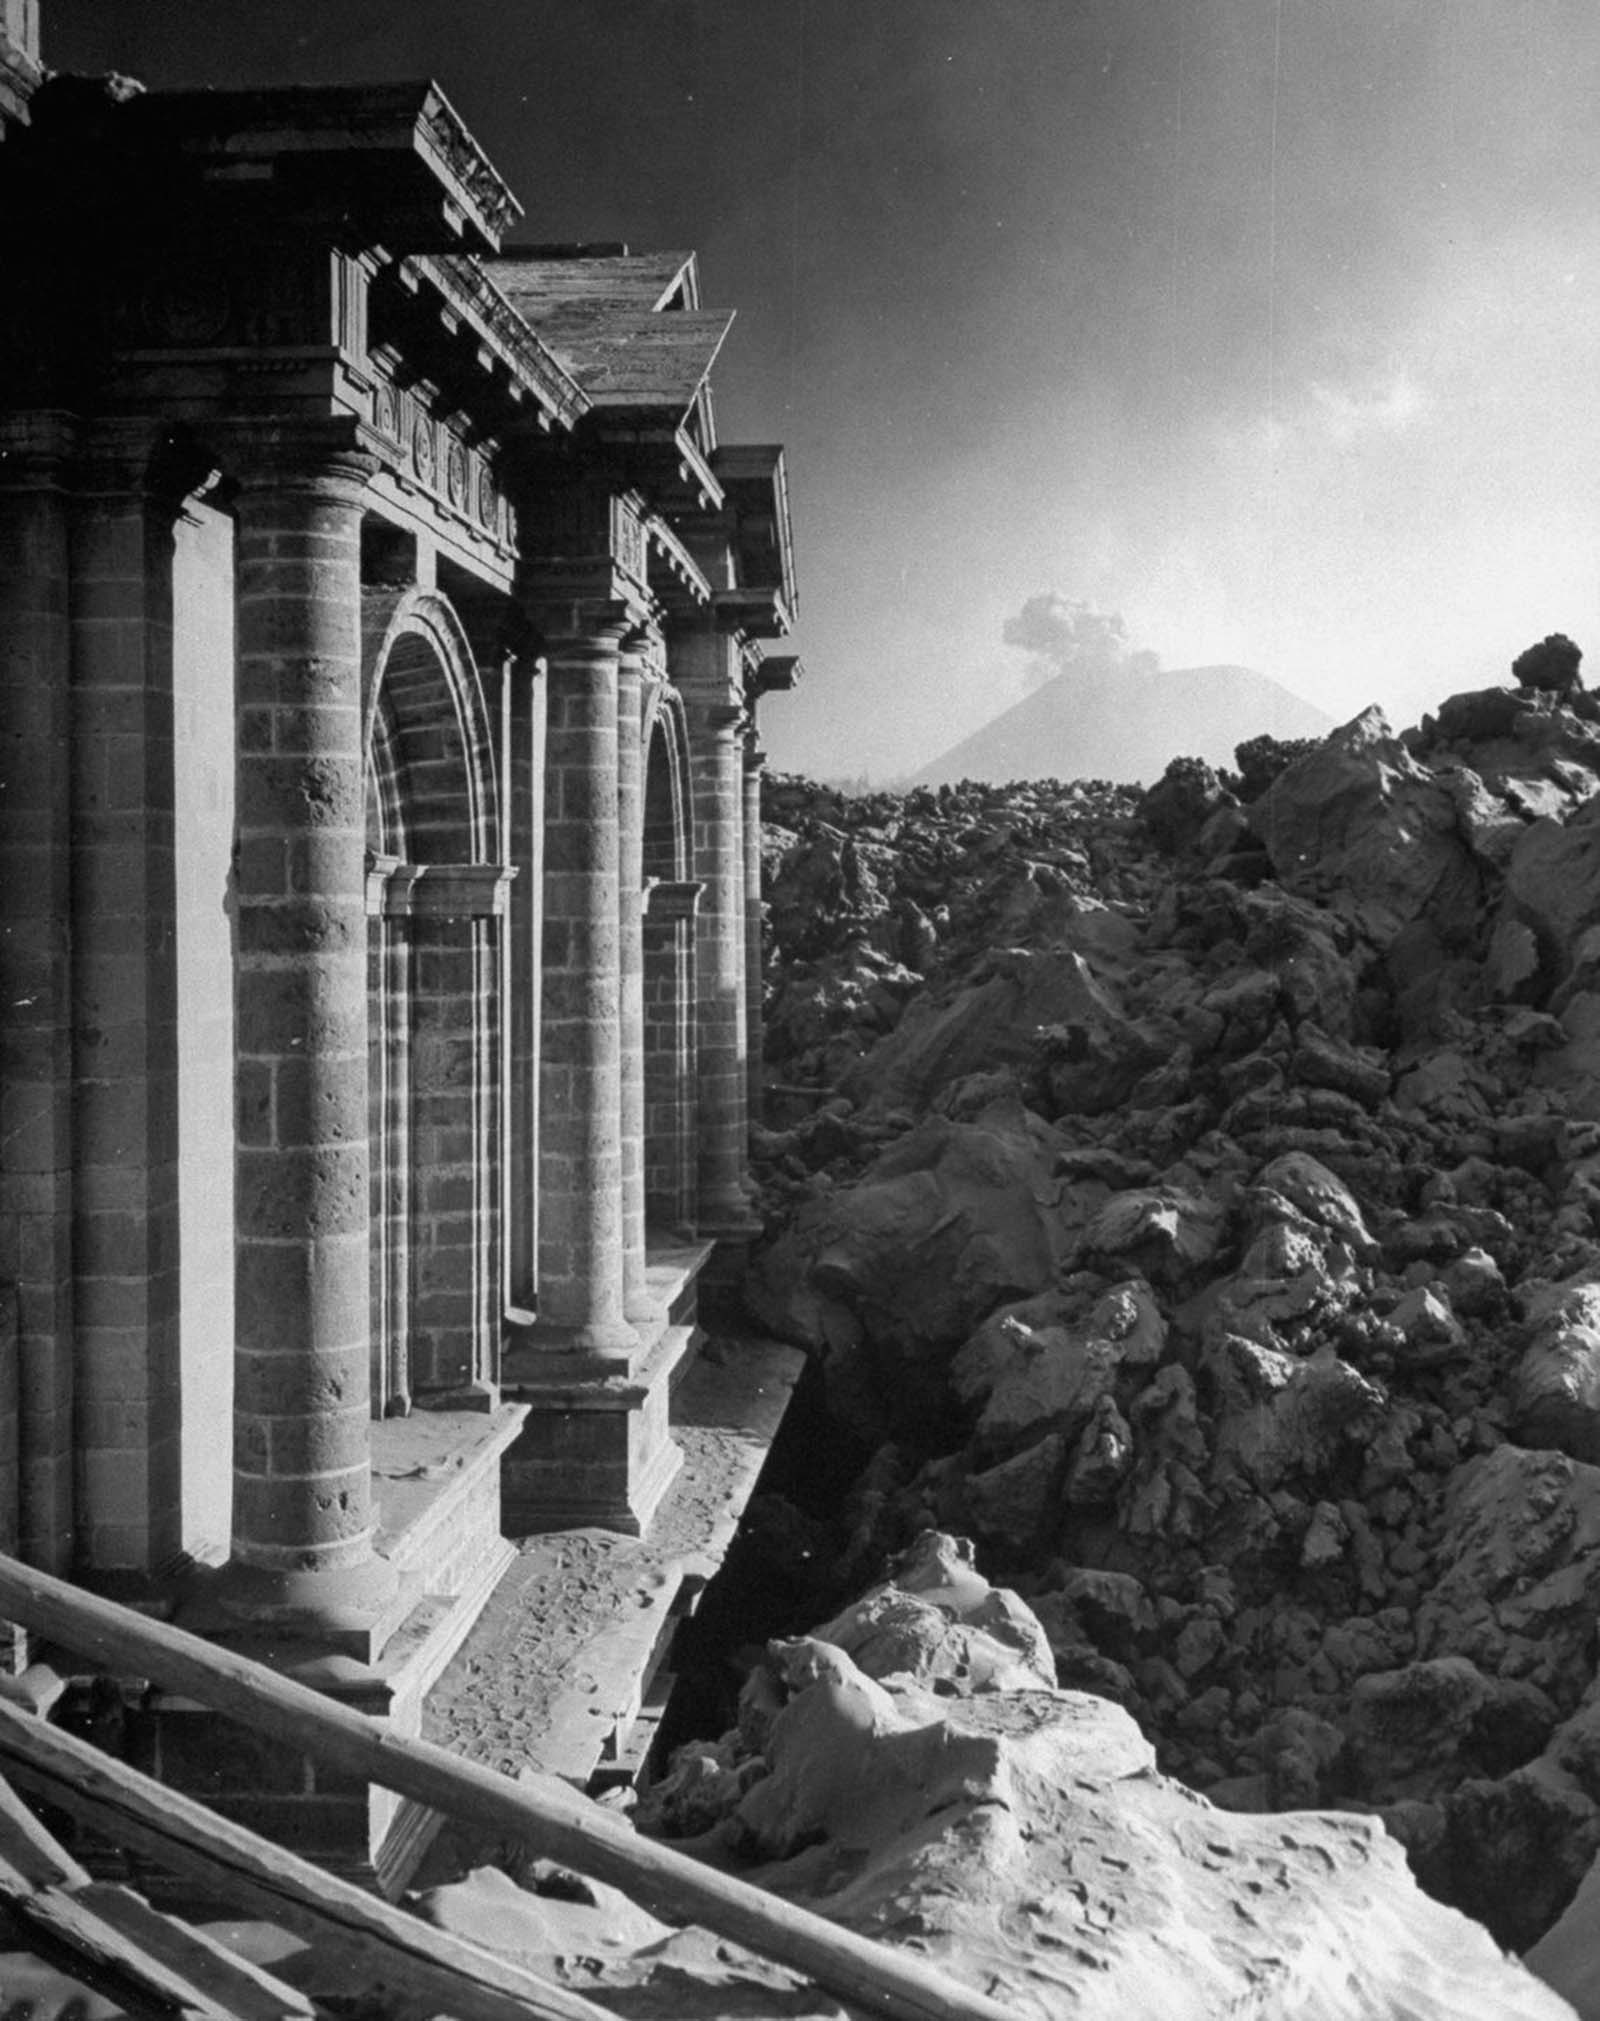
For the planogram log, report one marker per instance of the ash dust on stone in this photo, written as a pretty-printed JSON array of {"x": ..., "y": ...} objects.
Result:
[
  {"x": 1189, "y": 1198},
  {"x": 786, "y": 1570}
]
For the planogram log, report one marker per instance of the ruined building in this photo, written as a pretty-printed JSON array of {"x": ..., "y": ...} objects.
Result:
[{"x": 381, "y": 626}]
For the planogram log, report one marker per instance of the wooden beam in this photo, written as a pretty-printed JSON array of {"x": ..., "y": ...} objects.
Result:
[
  {"x": 543, "y": 1813},
  {"x": 390, "y": 1952},
  {"x": 32, "y": 1852},
  {"x": 115, "y": 1941}
]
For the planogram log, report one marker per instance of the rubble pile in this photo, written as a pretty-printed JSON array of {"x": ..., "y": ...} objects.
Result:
[{"x": 1191, "y": 1198}]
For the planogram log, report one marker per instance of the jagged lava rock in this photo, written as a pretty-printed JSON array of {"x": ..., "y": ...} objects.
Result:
[
  {"x": 1555, "y": 1398},
  {"x": 1359, "y": 813}
]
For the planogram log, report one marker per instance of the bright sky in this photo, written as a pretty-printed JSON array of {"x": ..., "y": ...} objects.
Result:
[{"x": 1271, "y": 325}]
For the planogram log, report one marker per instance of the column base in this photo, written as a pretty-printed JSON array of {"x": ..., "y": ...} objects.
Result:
[
  {"x": 729, "y": 1220},
  {"x": 436, "y": 1491},
  {"x": 593, "y": 1451},
  {"x": 351, "y": 1612},
  {"x": 597, "y": 1447},
  {"x": 609, "y": 1348}
]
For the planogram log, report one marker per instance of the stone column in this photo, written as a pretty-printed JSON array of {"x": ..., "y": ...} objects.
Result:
[
  {"x": 129, "y": 1402},
  {"x": 630, "y": 835},
  {"x": 302, "y": 1476},
  {"x": 754, "y": 759},
  {"x": 524, "y": 694},
  {"x": 581, "y": 1238},
  {"x": 35, "y": 978},
  {"x": 715, "y": 750}
]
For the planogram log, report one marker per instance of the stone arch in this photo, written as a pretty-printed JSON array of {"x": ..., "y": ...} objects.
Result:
[
  {"x": 426, "y": 731},
  {"x": 670, "y": 1025},
  {"x": 435, "y": 899},
  {"x": 668, "y": 820}
]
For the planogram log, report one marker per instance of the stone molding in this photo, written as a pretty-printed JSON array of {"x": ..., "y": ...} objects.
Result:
[
  {"x": 670, "y": 899},
  {"x": 469, "y": 290},
  {"x": 398, "y": 890},
  {"x": 437, "y": 453},
  {"x": 457, "y": 158},
  {"x": 325, "y": 458}
]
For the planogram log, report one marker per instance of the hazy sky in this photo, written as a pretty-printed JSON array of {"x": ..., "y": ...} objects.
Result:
[{"x": 1272, "y": 326}]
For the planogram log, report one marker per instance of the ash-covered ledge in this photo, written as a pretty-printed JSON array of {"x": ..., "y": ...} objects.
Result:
[{"x": 563, "y": 1670}]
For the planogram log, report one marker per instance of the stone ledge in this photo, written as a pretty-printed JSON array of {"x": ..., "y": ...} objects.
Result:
[{"x": 561, "y": 1661}]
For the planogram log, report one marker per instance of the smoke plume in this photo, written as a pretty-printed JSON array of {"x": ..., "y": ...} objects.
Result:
[{"x": 1063, "y": 635}]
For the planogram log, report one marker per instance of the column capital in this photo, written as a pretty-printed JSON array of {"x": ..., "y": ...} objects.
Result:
[
  {"x": 721, "y": 718},
  {"x": 567, "y": 626},
  {"x": 328, "y": 459},
  {"x": 36, "y": 446},
  {"x": 755, "y": 758},
  {"x": 644, "y": 646}
]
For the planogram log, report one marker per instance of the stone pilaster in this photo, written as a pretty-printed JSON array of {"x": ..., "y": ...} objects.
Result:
[
  {"x": 671, "y": 1081},
  {"x": 302, "y": 1476},
  {"x": 630, "y": 836},
  {"x": 716, "y": 758},
  {"x": 581, "y": 1235},
  {"x": 754, "y": 759},
  {"x": 36, "y": 1515},
  {"x": 128, "y": 1407},
  {"x": 522, "y": 812}
]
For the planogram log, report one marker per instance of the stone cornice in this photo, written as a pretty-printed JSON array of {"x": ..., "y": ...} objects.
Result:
[
  {"x": 757, "y": 613},
  {"x": 458, "y": 159},
  {"x": 375, "y": 146},
  {"x": 675, "y": 559},
  {"x": 505, "y": 336}
]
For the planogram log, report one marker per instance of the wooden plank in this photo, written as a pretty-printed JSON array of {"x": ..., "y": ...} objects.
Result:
[
  {"x": 63, "y": 1924},
  {"x": 237, "y": 1985},
  {"x": 32, "y": 1852},
  {"x": 543, "y": 1814},
  {"x": 46, "y": 1887},
  {"x": 392, "y": 1952}
]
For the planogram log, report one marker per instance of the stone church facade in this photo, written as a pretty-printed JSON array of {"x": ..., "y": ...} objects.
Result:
[{"x": 381, "y": 628}]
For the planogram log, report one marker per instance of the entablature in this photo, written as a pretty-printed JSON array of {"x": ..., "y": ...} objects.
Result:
[
  {"x": 395, "y": 160},
  {"x": 588, "y": 541},
  {"x": 755, "y": 479}
]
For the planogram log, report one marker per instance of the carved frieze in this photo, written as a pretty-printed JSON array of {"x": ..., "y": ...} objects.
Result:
[
  {"x": 455, "y": 472},
  {"x": 627, "y": 538},
  {"x": 435, "y": 453},
  {"x": 242, "y": 298},
  {"x": 386, "y": 410},
  {"x": 424, "y": 455},
  {"x": 187, "y": 305}
]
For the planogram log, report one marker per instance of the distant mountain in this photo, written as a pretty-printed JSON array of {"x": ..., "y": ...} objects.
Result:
[{"x": 1127, "y": 726}]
